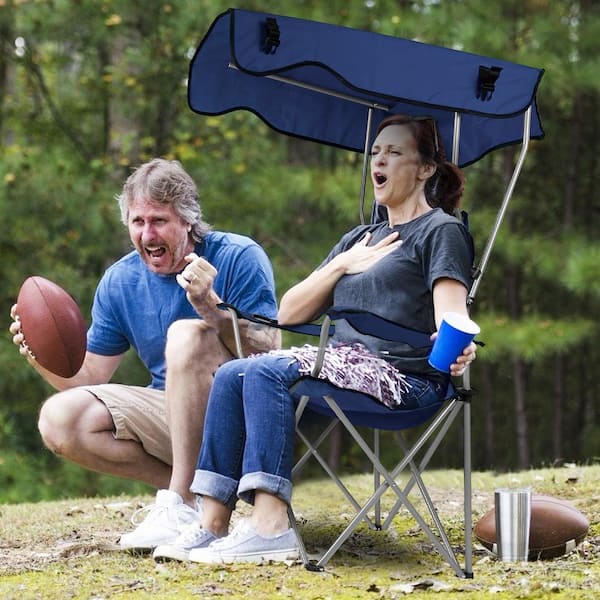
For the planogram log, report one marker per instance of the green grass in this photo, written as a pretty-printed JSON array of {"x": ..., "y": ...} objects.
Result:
[{"x": 67, "y": 549}]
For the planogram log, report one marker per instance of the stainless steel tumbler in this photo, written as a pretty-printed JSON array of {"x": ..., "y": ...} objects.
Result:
[{"x": 513, "y": 518}]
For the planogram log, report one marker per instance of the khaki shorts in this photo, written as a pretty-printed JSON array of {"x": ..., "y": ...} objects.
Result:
[{"x": 139, "y": 415}]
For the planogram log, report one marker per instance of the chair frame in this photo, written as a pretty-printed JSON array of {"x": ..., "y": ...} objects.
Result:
[
  {"x": 233, "y": 69},
  {"x": 415, "y": 458},
  {"x": 461, "y": 400}
]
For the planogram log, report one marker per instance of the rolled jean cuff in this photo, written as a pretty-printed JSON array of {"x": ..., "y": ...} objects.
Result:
[
  {"x": 264, "y": 482},
  {"x": 219, "y": 487}
]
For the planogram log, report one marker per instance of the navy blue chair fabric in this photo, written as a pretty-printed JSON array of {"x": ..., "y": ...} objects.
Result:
[
  {"x": 247, "y": 59},
  {"x": 361, "y": 409},
  {"x": 372, "y": 324}
]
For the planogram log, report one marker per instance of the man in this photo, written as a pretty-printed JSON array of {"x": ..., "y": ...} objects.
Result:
[{"x": 161, "y": 299}]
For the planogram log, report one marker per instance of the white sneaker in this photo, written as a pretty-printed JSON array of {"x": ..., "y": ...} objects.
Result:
[
  {"x": 166, "y": 519},
  {"x": 244, "y": 545},
  {"x": 194, "y": 536}
]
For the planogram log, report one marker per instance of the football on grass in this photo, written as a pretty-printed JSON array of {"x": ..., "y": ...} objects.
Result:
[
  {"x": 556, "y": 528},
  {"x": 53, "y": 326}
]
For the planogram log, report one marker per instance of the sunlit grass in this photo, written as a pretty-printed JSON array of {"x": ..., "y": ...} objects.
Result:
[{"x": 67, "y": 549}]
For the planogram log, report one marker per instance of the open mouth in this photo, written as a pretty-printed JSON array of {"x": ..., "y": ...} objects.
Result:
[
  {"x": 155, "y": 252},
  {"x": 379, "y": 178}
]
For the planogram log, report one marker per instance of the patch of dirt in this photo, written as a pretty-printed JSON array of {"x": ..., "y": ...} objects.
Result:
[{"x": 36, "y": 535}]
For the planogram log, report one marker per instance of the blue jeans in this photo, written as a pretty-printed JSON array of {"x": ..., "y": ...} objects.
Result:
[{"x": 249, "y": 430}]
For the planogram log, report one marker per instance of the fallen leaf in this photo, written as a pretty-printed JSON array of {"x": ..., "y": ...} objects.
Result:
[
  {"x": 404, "y": 588},
  {"x": 75, "y": 510}
]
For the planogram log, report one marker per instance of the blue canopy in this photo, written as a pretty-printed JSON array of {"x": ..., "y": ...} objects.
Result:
[{"x": 322, "y": 82}]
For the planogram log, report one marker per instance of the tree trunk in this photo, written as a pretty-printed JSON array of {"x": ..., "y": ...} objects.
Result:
[
  {"x": 571, "y": 174},
  {"x": 103, "y": 64},
  {"x": 514, "y": 302},
  {"x": 335, "y": 446},
  {"x": 521, "y": 426},
  {"x": 488, "y": 457},
  {"x": 557, "y": 416}
]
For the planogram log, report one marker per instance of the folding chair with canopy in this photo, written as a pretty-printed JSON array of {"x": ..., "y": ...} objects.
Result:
[{"x": 333, "y": 85}]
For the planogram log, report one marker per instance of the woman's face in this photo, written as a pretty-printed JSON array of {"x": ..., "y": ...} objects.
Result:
[{"x": 397, "y": 173}]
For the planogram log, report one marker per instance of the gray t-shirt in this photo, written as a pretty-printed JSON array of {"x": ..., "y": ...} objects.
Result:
[{"x": 399, "y": 287}]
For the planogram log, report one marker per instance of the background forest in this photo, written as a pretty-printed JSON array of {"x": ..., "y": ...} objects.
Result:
[{"x": 89, "y": 89}]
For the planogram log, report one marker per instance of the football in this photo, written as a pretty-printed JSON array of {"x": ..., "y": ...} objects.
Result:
[
  {"x": 53, "y": 326},
  {"x": 556, "y": 528}
]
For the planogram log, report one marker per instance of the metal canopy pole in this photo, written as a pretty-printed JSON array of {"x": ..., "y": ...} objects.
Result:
[
  {"x": 501, "y": 212},
  {"x": 321, "y": 90},
  {"x": 466, "y": 408},
  {"x": 466, "y": 378},
  {"x": 456, "y": 137},
  {"x": 363, "y": 183}
]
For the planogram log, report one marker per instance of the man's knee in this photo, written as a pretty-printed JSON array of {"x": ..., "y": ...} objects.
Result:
[
  {"x": 191, "y": 342},
  {"x": 64, "y": 416}
]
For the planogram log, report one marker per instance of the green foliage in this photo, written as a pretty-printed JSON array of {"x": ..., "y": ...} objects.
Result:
[
  {"x": 532, "y": 338},
  {"x": 93, "y": 88},
  {"x": 582, "y": 271},
  {"x": 28, "y": 477}
]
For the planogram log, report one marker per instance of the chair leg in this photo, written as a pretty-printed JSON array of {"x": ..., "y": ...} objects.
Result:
[
  {"x": 310, "y": 566},
  {"x": 425, "y": 445},
  {"x": 376, "y": 478},
  {"x": 312, "y": 450},
  {"x": 465, "y": 406},
  {"x": 433, "y": 446},
  {"x": 443, "y": 546},
  {"x": 468, "y": 516}
]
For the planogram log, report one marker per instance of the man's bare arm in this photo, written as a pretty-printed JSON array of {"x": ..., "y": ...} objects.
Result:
[{"x": 255, "y": 337}]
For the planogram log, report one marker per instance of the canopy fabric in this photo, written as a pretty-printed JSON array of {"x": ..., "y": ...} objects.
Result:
[{"x": 240, "y": 63}]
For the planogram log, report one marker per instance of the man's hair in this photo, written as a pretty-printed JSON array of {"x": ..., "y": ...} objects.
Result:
[{"x": 165, "y": 182}]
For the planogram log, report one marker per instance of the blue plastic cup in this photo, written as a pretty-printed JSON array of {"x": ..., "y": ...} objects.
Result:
[{"x": 455, "y": 334}]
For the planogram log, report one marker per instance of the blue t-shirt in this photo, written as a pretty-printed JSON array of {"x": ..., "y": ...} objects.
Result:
[{"x": 133, "y": 307}]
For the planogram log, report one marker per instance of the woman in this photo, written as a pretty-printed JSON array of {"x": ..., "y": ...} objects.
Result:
[{"x": 410, "y": 269}]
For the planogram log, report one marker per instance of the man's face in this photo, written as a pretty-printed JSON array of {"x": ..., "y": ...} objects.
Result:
[{"x": 161, "y": 237}]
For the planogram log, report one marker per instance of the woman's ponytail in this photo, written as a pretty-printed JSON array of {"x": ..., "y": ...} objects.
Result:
[{"x": 445, "y": 187}]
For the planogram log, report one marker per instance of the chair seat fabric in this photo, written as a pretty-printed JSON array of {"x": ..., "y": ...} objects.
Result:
[{"x": 360, "y": 409}]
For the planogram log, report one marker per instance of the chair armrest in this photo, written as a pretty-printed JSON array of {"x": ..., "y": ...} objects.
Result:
[
  {"x": 304, "y": 328},
  {"x": 371, "y": 324},
  {"x": 363, "y": 321},
  {"x": 314, "y": 329}
]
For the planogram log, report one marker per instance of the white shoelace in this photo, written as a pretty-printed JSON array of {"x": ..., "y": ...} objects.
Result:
[
  {"x": 150, "y": 509},
  {"x": 154, "y": 510}
]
